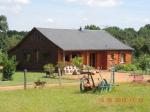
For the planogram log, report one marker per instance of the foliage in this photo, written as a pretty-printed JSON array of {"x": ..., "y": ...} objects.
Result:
[
  {"x": 49, "y": 68},
  {"x": 3, "y": 23},
  {"x": 127, "y": 67},
  {"x": 8, "y": 38},
  {"x": 3, "y": 31},
  {"x": 78, "y": 61},
  {"x": 92, "y": 27},
  {"x": 130, "y": 67},
  {"x": 139, "y": 40},
  {"x": 88, "y": 68},
  {"x": 61, "y": 65},
  {"x": 13, "y": 41},
  {"x": 144, "y": 62},
  {"x": 9, "y": 66},
  {"x": 119, "y": 67},
  {"x": 21, "y": 34}
]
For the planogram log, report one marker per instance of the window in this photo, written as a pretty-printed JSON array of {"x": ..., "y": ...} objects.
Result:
[
  {"x": 37, "y": 56},
  {"x": 45, "y": 55},
  {"x": 74, "y": 55},
  {"x": 67, "y": 57},
  {"x": 27, "y": 57},
  {"x": 122, "y": 58},
  {"x": 112, "y": 56}
]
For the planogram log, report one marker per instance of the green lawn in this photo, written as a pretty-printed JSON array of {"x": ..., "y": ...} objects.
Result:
[
  {"x": 18, "y": 79},
  {"x": 69, "y": 99}
]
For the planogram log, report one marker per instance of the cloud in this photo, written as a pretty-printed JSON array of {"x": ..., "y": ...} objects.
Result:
[
  {"x": 99, "y": 3},
  {"x": 146, "y": 20},
  {"x": 12, "y": 6},
  {"x": 85, "y": 19},
  {"x": 50, "y": 20}
]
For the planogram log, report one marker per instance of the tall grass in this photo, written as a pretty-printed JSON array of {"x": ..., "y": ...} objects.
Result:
[{"x": 69, "y": 99}]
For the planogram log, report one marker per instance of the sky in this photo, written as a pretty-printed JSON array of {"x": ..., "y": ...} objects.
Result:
[{"x": 71, "y": 14}]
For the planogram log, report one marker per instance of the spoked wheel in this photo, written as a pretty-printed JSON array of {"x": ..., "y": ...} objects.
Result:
[
  {"x": 83, "y": 85},
  {"x": 82, "y": 88}
]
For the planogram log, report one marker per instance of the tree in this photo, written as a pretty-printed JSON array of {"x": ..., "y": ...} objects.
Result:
[
  {"x": 116, "y": 32},
  {"x": 3, "y": 23},
  {"x": 9, "y": 66},
  {"x": 3, "y": 32},
  {"x": 145, "y": 31},
  {"x": 144, "y": 62},
  {"x": 13, "y": 41},
  {"x": 14, "y": 37},
  {"x": 92, "y": 27}
]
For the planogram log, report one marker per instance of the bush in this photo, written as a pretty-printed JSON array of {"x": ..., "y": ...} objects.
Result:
[
  {"x": 119, "y": 67},
  {"x": 127, "y": 67},
  {"x": 130, "y": 67},
  {"x": 88, "y": 68},
  {"x": 9, "y": 66},
  {"x": 77, "y": 61},
  {"x": 61, "y": 65},
  {"x": 144, "y": 62},
  {"x": 49, "y": 69}
]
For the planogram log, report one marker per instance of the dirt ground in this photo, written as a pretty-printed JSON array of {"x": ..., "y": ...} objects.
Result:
[{"x": 119, "y": 78}]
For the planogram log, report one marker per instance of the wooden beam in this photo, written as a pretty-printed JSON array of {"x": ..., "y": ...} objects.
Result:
[{"x": 64, "y": 56}]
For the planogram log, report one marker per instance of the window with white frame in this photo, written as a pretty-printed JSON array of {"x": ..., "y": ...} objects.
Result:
[{"x": 122, "y": 58}]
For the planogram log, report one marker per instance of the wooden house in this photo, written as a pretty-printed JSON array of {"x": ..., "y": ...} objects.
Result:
[{"x": 43, "y": 45}]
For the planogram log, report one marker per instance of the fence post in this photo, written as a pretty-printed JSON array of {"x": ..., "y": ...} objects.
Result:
[
  {"x": 113, "y": 75},
  {"x": 25, "y": 79},
  {"x": 59, "y": 74}
]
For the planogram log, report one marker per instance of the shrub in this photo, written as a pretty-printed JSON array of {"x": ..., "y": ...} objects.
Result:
[
  {"x": 88, "y": 68},
  {"x": 130, "y": 67},
  {"x": 119, "y": 67},
  {"x": 61, "y": 65},
  {"x": 144, "y": 62},
  {"x": 78, "y": 61},
  {"x": 49, "y": 69},
  {"x": 9, "y": 66},
  {"x": 127, "y": 67}
]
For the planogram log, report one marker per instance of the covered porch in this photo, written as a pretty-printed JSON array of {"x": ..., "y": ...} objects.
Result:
[{"x": 96, "y": 59}]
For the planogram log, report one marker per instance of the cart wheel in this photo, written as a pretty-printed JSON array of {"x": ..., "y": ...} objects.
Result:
[{"x": 82, "y": 88}]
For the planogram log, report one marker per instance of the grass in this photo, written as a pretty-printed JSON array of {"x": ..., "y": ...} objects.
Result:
[
  {"x": 18, "y": 79},
  {"x": 69, "y": 99}
]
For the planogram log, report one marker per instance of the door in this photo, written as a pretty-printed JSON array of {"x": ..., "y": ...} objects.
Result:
[{"x": 93, "y": 59}]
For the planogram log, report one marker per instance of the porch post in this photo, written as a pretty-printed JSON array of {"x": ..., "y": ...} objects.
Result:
[
  {"x": 87, "y": 55},
  {"x": 64, "y": 56}
]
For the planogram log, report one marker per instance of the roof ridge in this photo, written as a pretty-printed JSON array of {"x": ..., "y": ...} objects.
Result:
[{"x": 69, "y": 29}]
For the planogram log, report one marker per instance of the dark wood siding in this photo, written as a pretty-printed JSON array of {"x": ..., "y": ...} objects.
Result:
[{"x": 35, "y": 44}]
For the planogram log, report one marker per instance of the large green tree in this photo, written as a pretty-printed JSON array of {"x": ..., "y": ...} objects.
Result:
[
  {"x": 139, "y": 40},
  {"x": 3, "y": 32},
  {"x": 3, "y": 23}
]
